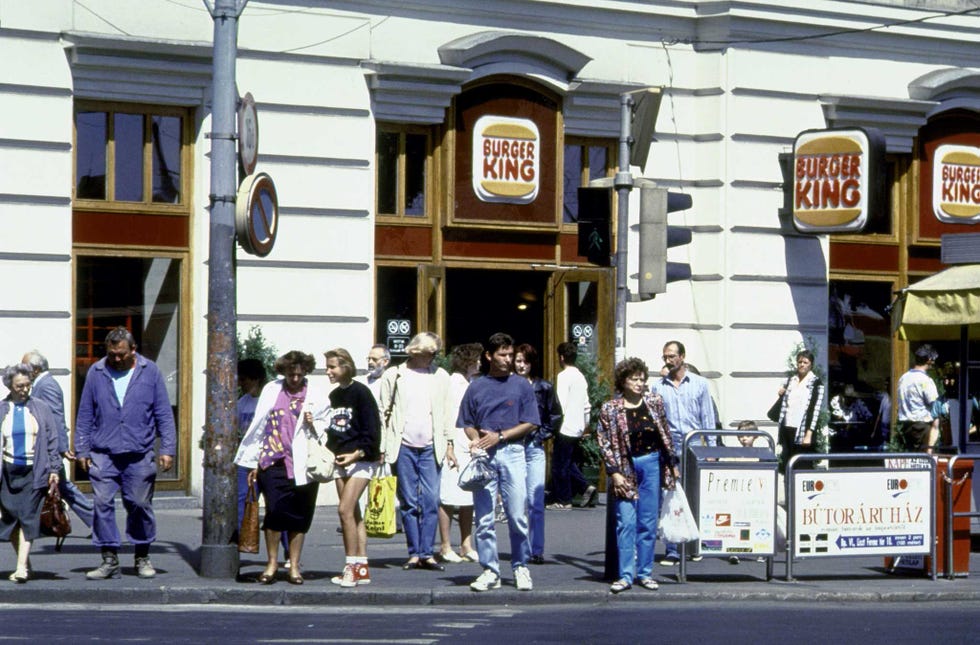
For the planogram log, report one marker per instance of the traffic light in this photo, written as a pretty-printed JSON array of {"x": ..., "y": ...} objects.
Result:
[
  {"x": 656, "y": 237},
  {"x": 594, "y": 211}
]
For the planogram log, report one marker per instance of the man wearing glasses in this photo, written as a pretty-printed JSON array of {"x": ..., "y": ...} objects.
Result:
[{"x": 688, "y": 405}]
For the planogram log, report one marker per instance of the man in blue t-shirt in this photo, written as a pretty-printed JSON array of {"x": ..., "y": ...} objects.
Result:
[{"x": 496, "y": 412}]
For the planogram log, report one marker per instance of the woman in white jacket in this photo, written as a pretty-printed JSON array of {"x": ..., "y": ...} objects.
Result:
[{"x": 275, "y": 449}]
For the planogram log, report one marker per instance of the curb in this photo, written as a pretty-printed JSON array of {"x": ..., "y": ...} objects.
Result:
[{"x": 189, "y": 595}]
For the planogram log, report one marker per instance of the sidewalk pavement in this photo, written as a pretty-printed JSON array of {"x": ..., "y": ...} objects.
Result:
[{"x": 573, "y": 572}]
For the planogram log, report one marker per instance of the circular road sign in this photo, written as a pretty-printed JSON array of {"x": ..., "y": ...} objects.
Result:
[
  {"x": 248, "y": 133},
  {"x": 257, "y": 214}
]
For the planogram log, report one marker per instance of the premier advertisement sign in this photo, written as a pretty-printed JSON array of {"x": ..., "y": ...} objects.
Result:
[
  {"x": 956, "y": 184},
  {"x": 837, "y": 179},
  {"x": 736, "y": 510},
  {"x": 862, "y": 513}
]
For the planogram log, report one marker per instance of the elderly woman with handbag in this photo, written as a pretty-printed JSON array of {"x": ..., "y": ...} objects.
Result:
[
  {"x": 275, "y": 448},
  {"x": 29, "y": 444},
  {"x": 639, "y": 455}
]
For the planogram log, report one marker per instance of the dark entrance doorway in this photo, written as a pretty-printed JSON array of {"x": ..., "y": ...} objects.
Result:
[{"x": 481, "y": 302}]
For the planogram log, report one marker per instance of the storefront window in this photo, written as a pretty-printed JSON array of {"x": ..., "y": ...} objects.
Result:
[
  {"x": 859, "y": 357},
  {"x": 402, "y": 163},
  {"x": 113, "y": 153},
  {"x": 583, "y": 162}
]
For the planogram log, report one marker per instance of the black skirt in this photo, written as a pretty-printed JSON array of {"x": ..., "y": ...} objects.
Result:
[
  {"x": 20, "y": 502},
  {"x": 288, "y": 507}
]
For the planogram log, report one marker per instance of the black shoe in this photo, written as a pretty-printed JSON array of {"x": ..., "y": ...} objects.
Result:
[
  {"x": 536, "y": 559},
  {"x": 431, "y": 565}
]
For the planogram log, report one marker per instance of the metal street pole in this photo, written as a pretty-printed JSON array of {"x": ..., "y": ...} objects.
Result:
[
  {"x": 624, "y": 184},
  {"x": 219, "y": 556}
]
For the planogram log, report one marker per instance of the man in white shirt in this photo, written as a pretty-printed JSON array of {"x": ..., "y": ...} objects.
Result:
[
  {"x": 917, "y": 428},
  {"x": 573, "y": 396}
]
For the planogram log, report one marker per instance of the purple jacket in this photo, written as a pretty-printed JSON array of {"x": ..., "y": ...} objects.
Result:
[{"x": 105, "y": 426}]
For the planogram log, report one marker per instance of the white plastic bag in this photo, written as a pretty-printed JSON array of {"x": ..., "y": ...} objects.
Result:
[{"x": 676, "y": 520}]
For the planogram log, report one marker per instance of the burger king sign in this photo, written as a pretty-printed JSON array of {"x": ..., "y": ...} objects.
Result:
[
  {"x": 506, "y": 159},
  {"x": 956, "y": 184},
  {"x": 836, "y": 179}
]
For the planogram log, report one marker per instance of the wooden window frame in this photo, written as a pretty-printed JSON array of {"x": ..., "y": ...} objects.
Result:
[
  {"x": 399, "y": 217},
  {"x": 584, "y": 175},
  {"x": 147, "y": 205}
]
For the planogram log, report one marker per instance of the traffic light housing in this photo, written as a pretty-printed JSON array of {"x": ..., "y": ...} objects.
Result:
[
  {"x": 594, "y": 213},
  {"x": 655, "y": 272}
]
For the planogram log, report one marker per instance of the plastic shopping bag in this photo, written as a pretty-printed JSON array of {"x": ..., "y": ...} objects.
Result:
[
  {"x": 676, "y": 520},
  {"x": 379, "y": 519}
]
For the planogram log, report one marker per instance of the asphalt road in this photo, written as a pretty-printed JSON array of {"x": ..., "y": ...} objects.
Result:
[{"x": 627, "y": 622}]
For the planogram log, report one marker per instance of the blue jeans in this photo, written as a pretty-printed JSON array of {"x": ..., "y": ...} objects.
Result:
[
  {"x": 566, "y": 479},
  {"x": 534, "y": 460},
  {"x": 135, "y": 475},
  {"x": 636, "y": 521},
  {"x": 508, "y": 461},
  {"x": 418, "y": 494}
]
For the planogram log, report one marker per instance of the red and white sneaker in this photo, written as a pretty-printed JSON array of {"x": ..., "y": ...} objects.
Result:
[{"x": 353, "y": 575}]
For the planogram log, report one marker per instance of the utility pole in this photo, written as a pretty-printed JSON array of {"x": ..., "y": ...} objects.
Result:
[
  {"x": 638, "y": 112},
  {"x": 219, "y": 556}
]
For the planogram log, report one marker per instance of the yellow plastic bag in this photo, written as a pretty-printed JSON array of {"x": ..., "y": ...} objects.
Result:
[{"x": 379, "y": 519}]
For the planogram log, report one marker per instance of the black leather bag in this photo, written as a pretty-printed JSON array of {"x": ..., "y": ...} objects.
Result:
[
  {"x": 54, "y": 518},
  {"x": 774, "y": 411}
]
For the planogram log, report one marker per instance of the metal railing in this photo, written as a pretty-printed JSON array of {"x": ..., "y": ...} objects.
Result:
[{"x": 951, "y": 515}]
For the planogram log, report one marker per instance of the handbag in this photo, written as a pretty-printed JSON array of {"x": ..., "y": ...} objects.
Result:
[
  {"x": 321, "y": 463},
  {"x": 676, "y": 520},
  {"x": 777, "y": 407},
  {"x": 477, "y": 474},
  {"x": 54, "y": 517},
  {"x": 248, "y": 534},
  {"x": 379, "y": 519}
]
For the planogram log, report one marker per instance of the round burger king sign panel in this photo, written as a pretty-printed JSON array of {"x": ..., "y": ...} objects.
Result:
[
  {"x": 956, "y": 184},
  {"x": 836, "y": 177},
  {"x": 506, "y": 159}
]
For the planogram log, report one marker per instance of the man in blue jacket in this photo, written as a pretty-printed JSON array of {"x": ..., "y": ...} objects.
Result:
[
  {"x": 45, "y": 388},
  {"x": 124, "y": 407}
]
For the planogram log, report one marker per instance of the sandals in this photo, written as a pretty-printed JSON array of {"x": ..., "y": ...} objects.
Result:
[
  {"x": 266, "y": 579},
  {"x": 648, "y": 583},
  {"x": 295, "y": 579},
  {"x": 619, "y": 586}
]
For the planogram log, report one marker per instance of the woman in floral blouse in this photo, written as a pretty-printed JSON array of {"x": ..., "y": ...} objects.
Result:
[{"x": 640, "y": 460}]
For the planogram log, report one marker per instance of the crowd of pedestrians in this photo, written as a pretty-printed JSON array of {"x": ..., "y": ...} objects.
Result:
[{"x": 422, "y": 422}]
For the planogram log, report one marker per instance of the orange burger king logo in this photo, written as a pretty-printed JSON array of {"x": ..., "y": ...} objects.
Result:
[
  {"x": 956, "y": 184},
  {"x": 506, "y": 159}
]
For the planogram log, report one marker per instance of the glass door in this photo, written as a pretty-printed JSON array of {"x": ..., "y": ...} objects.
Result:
[
  {"x": 141, "y": 293},
  {"x": 581, "y": 310}
]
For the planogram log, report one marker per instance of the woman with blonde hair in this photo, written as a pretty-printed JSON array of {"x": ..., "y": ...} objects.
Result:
[
  {"x": 354, "y": 435},
  {"x": 417, "y": 438}
]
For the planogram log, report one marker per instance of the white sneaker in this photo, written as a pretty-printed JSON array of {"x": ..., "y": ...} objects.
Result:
[
  {"x": 450, "y": 556},
  {"x": 488, "y": 580},
  {"x": 522, "y": 577}
]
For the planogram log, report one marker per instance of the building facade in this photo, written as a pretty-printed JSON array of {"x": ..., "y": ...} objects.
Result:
[{"x": 427, "y": 156}]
